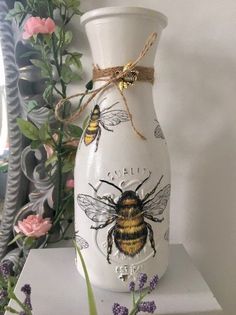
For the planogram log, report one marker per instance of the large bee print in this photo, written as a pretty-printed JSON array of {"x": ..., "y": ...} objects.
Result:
[
  {"x": 128, "y": 215},
  {"x": 105, "y": 118}
]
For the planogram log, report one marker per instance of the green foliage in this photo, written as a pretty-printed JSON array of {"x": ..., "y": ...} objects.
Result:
[
  {"x": 48, "y": 92},
  {"x": 17, "y": 237},
  {"x": 91, "y": 299},
  {"x": 30, "y": 105},
  {"x": 28, "y": 129},
  {"x": 50, "y": 161},
  {"x": 44, "y": 133},
  {"x": 74, "y": 59},
  {"x": 46, "y": 67},
  {"x": 17, "y": 12},
  {"x": 35, "y": 144},
  {"x": 75, "y": 131},
  {"x": 68, "y": 37},
  {"x": 66, "y": 74}
]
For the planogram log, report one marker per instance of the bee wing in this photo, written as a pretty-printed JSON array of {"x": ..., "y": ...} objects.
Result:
[
  {"x": 82, "y": 243},
  {"x": 96, "y": 210},
  {"x": 113, "y": 117},
  {"x": 156, "y": 205},
  {"x": 158, "y": 132}
]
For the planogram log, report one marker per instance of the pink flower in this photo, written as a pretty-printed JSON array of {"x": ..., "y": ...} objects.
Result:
[
  {"x": 70, "y": 183},
  {"x": 34, "y": 225},
  {"x": 36, "y": 25}
]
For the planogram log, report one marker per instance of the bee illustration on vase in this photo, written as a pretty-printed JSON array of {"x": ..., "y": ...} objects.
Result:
[
  {"x": 106, "y": 118},
  {"x": 158, "y": 132},
  {"x": 129, "y": 78},
  {"x": 130, "y": 230},
  {"x": 81, "y": 242}
]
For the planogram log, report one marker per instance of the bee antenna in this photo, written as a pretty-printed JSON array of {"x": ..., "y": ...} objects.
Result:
[
  {"x": 93, "y": 187},
  {"x": 137, "y": 188},
  {"x": 105, "y": 181}
]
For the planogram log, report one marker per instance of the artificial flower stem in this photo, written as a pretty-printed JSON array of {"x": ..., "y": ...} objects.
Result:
[
  {"x": 91, "y": 299},
  {"x": 134, "y": 311},
  {"x": 133, "y": 298},
  {"x": 59, "y": 147}
]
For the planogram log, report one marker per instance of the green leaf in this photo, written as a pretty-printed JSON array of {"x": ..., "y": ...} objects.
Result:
[
  {"x": 16, "y": 12},
  {"x": 48, "y": 92},
  {"x": 35, "y": 144},
  {"x": 31, "y": 105},
  {"x": 68, "y": 166},
  {"x": 11, "y": 310},
  {"x": 18, "y": 7},
  {"x": 58, "y": 32},
  {"x": 44, "y": 132},
  {"x": 29, "y": 242},
  {"x": 18, "y": 236},
  {"x": 46, "y": 68},
  {"x": 66, "y": 74},
  {"x": 68, "y": 37},
  {"x": 74, "y": 59},
  {"x": 91, "y": 299},
  {"x": 76, "y": 77},
  {"x": 28, "y": 129},
  {"x": 51, "y": 160},
  {"x": 75, "y": 131}
]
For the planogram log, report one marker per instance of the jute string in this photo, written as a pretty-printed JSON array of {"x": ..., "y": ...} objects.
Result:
[
  {"x": 111, "y": 76},
  {"x": 144, "y": 73}
]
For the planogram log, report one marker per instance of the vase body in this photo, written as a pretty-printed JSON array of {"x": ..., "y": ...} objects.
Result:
[{"x": 112, "y": 161}]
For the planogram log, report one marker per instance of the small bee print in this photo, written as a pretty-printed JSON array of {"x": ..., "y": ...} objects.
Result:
[
  {"x": 130, "y": 230},
  {"x": 82, "y": 243},
  {"x": 158, "y": 132},
  {"x": 105, "y": 118},
  {"x": 129, "y": 78}
]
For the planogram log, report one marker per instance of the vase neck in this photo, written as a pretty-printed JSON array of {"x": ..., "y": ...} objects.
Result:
[{"x": 117, "y": 38}]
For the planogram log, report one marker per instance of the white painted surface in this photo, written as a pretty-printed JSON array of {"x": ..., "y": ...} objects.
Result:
[
  {"x": 195, "y": 102},
  {"x": 58, "y": 289},
  {"x": 123, "y": 159}
]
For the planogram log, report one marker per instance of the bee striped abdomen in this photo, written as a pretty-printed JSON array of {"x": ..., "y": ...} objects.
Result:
[
  {"x": 92, "y": 129},
  {"x": 131, "y": 233},
  {"x": 130, "y": 239}
]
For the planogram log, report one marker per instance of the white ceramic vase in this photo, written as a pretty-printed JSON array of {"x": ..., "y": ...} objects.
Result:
[{"x": 122, "y": 182}]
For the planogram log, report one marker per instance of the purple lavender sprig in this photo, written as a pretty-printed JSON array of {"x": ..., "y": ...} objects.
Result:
[
  {"x": 6, "y": 269},
  {"x": 118, "y": 309},
  {"x": 153, "y": 283},
  {"x": 3, "y": 296},
  {"x": 142, "y": 279},
  {"x": 132, "y": 286},
  {"x": 138, "y": 304},
  {"x": 26, "y": 289},
  {"x": 147, "y": 307},
  {"x": 26, "y": 306}
]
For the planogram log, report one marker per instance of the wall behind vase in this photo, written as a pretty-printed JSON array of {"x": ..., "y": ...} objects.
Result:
[{"x": 195, "y": 102}]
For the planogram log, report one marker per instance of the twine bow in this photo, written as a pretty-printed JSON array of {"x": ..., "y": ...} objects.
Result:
[{"x": 114, "y": 80}]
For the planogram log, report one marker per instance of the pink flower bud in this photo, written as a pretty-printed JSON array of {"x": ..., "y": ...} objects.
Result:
[
  {"x": 34, "y": 226},
  {"x": 36, "y": 25},
  {"x": 70, "y": 183}
]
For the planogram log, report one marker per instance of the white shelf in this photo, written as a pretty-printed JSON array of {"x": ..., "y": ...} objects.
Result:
[{"x": 57, "y": 288}]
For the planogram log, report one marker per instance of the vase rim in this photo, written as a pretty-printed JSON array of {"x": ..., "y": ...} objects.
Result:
[{"x": 112, "y": 11}]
